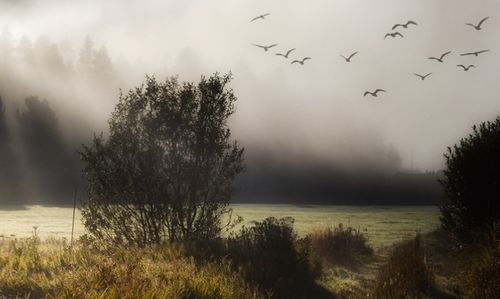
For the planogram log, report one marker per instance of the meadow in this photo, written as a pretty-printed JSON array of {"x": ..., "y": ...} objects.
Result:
[
  {"x": 383, "y": 225},
  {"x": 338, "y": 252}
]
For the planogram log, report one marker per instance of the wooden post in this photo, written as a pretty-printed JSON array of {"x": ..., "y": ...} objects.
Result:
[{"x": 73, "y": 224}]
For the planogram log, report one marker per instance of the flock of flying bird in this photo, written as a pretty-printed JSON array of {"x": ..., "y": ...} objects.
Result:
[
  {"x": 394, "y": 34},
  {"x": 285, "y": 55}
]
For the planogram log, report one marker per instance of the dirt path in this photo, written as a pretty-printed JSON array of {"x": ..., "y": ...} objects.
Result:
[{"x": 355, "y": 281}]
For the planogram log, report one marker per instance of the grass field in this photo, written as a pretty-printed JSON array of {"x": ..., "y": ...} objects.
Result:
[{"x": 383, "y": 225}]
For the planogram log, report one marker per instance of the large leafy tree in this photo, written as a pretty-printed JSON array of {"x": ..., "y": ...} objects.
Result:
[
  {"x": 471, "y": 209},
  {"x": 165, "y": 172}
]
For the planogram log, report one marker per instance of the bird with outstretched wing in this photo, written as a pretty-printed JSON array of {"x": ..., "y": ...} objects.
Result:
[
  {"x": 422, "y": 76},
  {"x": 263, "y": 16},
  {"x": 393, "y": 34},
  {"x": 478, "y": 26},
  {"x": 266, "y": 48},
  {"x": 405, "y": 25},
  {"x": 440, "y": 59},
  {"x": 466, "y": 68},
  {"x": 374, "y": 93},
  {"x": 301, "y": 62},
  {"x": 287, "y": 53},
  {"x": 475, "y": 53},
  {"x": 348, "y": 58}
]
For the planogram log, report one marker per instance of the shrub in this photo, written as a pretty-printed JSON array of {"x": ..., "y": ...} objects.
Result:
[
  {"x": 165, "y": 173},
  {"x": 472, "y": 177},
  {"x": 270, "y": 257},
  {"x": 480, "y": 276},
  {"x": 406, "y": 274},
  {"x": 339, "y": 245}
]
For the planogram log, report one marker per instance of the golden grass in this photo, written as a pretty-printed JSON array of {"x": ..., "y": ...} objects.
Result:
[
  {"x": 339, "y": 245},
  {"x": 406, "y": 274},
  {"x": 51, "y": 269}
]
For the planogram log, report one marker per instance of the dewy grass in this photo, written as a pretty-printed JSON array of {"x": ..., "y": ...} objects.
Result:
[{"x": 32, "y": 269}]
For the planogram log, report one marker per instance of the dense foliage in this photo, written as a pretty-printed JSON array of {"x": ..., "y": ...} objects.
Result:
[
  {"x": 480, "y": 275},
  {"x": 471, "y": 208},
  {"x": 166, "y": 170},
  {"x": 271, "y": 256}
]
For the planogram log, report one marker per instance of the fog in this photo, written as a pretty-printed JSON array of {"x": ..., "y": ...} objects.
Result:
[{"x": 308, "y": 125}]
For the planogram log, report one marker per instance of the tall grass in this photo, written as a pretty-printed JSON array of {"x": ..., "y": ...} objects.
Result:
[
  {"x": 339, "y": 245},
  {"x": 264, "y": 260},
  {"x": 479, "y": 273},
  {"x": 406, "y": 274},
  {"x": 32, "y": 269}
]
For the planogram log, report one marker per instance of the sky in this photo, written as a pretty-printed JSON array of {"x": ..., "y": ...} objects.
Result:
[{"x": 315, "y": 114}]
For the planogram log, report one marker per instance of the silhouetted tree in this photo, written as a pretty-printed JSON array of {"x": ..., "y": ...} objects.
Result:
[
  {"x": 103, "y": 66},
  {"x": 9, "y": 174},
  {"x": 86, "y": 56},
  {"x": 3, "y": 123},
  {"x": 166, "y": 170},
  {"x": 49, "y": 57},
  {"x": 26, "y": 51},
  {"x": 6, "y": 51},
  {"x": 96, "y": 66},
  {"x": 471, "y": 208},
  {"x": 52, "y": 168}
]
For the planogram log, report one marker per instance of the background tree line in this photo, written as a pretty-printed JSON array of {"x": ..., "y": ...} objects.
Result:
[{"x": 33, "y": 141}]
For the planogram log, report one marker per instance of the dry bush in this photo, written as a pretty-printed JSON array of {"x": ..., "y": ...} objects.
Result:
[
  {"x": 480, "y": 274},
  {"x": 272, "y": 258},
  {"x": 406, "y": 274},
  {"x": 339, "y": 245}
]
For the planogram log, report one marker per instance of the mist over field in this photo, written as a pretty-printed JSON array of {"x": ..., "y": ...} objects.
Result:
[{"x": 309, "y": 134}]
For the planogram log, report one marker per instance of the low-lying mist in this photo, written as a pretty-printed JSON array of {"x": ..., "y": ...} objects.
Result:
[{"x": 54, "y": 98}]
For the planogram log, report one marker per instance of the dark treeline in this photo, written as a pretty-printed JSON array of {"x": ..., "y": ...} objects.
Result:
[
  {"x": 276, "y": 183},
  {"x": 53, "y": 98},
  {"x": 10, "y": 174},
  {"x": 37, "y": 165},
  {"x": 46, "y": 57}
]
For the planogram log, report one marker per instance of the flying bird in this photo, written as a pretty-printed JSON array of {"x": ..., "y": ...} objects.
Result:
[
  {"x": 466, "y": 68},
  {"x": 260, "y": 17},
  {"x": 266, "y": 48},
  {"x": 440, "y": 59},
  {"x": 393, "y": 34},
  {"x": 301, "y": 61},
  {"x": 287, "y": 53},
  {"x": 374, "y": 94},
  {"x": 348, "y": 59},
  {"x": 475, "y": 53},
  {"x": 404, "y": 25},
  {"x": 422, "y": 76},
  {"x": 478, "y": 26}
]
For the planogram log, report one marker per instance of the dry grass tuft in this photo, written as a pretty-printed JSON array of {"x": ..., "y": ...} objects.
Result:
[
  {"x": 406, "y": 274},
  {"x": 339, "y": 245},
  {"x": 59, "y": 271}
]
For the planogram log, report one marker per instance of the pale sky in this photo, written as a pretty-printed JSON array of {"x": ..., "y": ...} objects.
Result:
[{"x": 316, "y": 111}]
